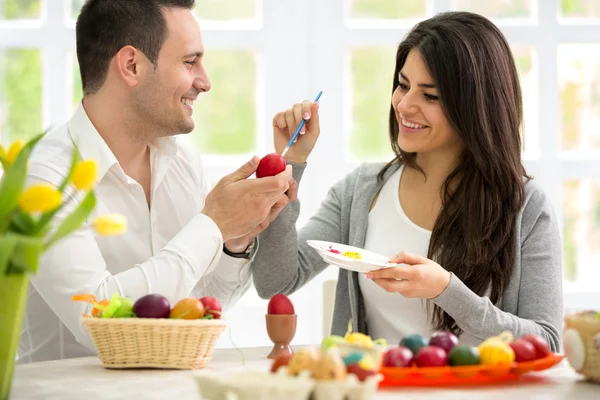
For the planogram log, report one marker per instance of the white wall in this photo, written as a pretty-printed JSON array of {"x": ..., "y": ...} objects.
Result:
[{"x": 303, "y": 47}]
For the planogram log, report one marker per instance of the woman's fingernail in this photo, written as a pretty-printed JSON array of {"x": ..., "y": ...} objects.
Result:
[
  {"x": 368, "y": 276},
  {"x": 306, "y": 115},
  {"x": 302, "y": 131}
]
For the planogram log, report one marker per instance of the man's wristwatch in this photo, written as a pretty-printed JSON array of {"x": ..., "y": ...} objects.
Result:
[{"x": 245, "y": 254}]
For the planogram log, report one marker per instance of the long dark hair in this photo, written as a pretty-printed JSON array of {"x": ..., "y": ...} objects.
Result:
[{"x": 472, "y": 67}]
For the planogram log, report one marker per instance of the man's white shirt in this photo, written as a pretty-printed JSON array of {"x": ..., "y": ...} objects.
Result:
[{"x": 169, "y": 248}]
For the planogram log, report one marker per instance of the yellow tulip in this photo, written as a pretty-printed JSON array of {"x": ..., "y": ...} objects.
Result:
[
  {"x": 110, "y": 224},
  {"x": 40, "y": 198},
  {"x": 84, "y": 176},
  {"x": 2, "y": 153},
  {"x": 14, "y": 150}
]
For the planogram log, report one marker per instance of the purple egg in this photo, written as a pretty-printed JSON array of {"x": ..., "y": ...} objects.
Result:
[
  {"x": 152, "y": 306},
  {"x": 445, "y": 340}
]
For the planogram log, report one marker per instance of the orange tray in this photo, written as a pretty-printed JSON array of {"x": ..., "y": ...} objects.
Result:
[{"x": 464, "y": 375}]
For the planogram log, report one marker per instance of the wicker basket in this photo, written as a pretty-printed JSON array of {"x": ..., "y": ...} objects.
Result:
[
  {"x": 154, "y": 343},
  {"x": 582, "y": 343}
]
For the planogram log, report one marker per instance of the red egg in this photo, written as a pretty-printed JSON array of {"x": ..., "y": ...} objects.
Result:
[
  {"x": 398, "y": 357},
  {"x": 280, "y": 304},
  {"x": 360, "y": 373},
  {"x": 524, "y": 350},
  {"x": 211, "y": 307},
  {"x": 431, "y": 356},
  {"x": 270, "y": 165},
  {"x": 282, "y": 360},
  {"x": 542, "y": 349}
]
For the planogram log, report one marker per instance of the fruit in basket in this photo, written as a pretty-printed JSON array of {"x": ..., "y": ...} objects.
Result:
[
  {"x": 398, "y": 357},
  {"x": 282, "y": 360},
  {"x": 542, "y": 349},
  {"x": 188, "y": 308},
  {"x": 152, "y": 306},
  {"x": 463, "y": 355},
  {"x": 524, "y": 350},
  {"x": 496, "y": 353},
  {"x": 212, "y": 307},
  {"x": 280, "y": 304},
  {"x": 329, "y": 367},
  {"x": 270, "y": 165},
  {"x": 414, "y": 343},
  {"x": 445, "y": 340},
  {"x": 431, "y": 356},
  {"x": 117, "y": 307},
  {"x": 126, "y": 309}
]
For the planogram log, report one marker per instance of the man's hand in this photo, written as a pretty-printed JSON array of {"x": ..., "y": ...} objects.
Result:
[
  {"x": 239, "y": 205},
  {"x": 285, "y": 124},
  {"x": 239, "y": 245}
]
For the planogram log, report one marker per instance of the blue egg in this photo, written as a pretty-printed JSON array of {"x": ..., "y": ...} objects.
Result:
[{"x": 352, "y": 358}]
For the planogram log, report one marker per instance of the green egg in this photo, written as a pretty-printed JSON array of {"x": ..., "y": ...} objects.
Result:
[
  {"x": 414, "y": 343},
  {"x": 463, "y": 355}
]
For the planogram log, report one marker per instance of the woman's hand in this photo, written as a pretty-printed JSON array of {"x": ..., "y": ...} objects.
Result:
[
  {"x": 421, "y": 278},
  {"x": 285, "y": 124}
]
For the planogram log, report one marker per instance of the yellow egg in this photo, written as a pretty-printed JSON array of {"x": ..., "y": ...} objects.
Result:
[
  {"x": 496, "y": 353},
  {"x": 359, "y": 339},
  {"x": 329, "y": 367},
  {"x": 304, "y": 359}
]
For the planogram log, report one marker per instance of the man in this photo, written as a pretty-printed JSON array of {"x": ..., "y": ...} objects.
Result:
[{"x": 141, "y": 69}]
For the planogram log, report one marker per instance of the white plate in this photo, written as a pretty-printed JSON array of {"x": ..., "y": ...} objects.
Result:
[{"x": 369, "y": 261}]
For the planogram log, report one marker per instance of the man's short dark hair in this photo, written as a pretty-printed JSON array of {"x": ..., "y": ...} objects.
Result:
[{"x": 106, "y": 26}]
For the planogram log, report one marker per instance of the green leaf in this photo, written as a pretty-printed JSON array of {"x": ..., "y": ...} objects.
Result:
[
  {"x": 7, "y": 245},
  {"x": 26, "y": 254},
  {"x": 75, "y": 219},
  {"x": 22, "y": 223},
  {"x": 5, "y": 164},
  {"x": 11, "y": 184},
  {"x": 74, "y": 161},
  {"x": 42, "y": 225}
]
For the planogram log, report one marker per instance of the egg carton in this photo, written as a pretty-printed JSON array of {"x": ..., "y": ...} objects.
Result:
[{"x": 252, "y": 385}]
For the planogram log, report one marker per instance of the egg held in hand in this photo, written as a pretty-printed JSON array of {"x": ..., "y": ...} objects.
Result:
[
  {"x": 270, "y": 165},
  {"x": 280, "y": 304}
]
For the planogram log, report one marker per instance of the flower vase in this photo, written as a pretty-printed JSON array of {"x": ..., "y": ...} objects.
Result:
[{"x": 13, "y": 297}]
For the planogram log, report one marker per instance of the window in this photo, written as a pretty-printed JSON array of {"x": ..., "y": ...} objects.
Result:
[{"x": 264, "y": 56}]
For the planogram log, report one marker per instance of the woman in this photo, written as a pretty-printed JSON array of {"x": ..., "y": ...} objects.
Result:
[{"x": 479, "y": 236}]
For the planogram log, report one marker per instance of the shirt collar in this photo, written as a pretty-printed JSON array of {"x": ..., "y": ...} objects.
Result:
[{"x": 92, "y": 146}]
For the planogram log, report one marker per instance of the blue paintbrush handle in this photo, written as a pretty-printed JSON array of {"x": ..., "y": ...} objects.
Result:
[{"x": 295, "y": 135}]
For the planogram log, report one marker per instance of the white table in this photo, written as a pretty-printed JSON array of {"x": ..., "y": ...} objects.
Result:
[{"x": 86, "y": 379}]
